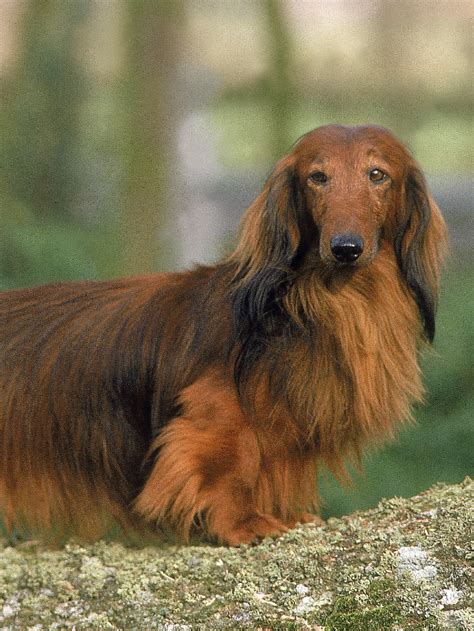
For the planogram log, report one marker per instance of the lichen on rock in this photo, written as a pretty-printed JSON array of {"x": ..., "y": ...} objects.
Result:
[{"x": 403, "y": 565}]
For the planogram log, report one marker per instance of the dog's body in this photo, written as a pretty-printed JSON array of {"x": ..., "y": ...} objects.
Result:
[{"x": 205, "y": 399}]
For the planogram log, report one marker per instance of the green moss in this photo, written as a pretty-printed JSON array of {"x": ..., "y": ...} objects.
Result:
[
  {"x": 380, "y": 588},
  {"x": 380, "y": 610},
  {"x": 347, "y": 615},
  {"x": 344, "y": 575}
]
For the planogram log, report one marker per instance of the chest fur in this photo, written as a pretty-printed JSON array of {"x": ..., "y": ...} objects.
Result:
[{"x": 353, "y": 375}]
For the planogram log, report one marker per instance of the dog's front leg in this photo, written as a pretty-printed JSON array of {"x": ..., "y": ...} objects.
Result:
[{"x": 207, "y": 471}]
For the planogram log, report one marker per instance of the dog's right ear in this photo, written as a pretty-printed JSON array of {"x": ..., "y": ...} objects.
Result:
[{"x": 269, "y": 239}]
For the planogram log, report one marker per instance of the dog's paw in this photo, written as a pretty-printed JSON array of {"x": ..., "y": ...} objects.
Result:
[
  {"x": 305, "y": 518},
  {"x": 252, "y": 530}
]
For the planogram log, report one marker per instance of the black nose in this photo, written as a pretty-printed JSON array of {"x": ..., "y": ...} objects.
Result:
[{"x": 346, "y": 248}]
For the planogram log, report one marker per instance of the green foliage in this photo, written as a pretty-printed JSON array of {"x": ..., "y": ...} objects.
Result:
[
  {"x": 40, "y": 253},
  {"x": 39, "y": 114},
  {"x": 34, "y": 251}
]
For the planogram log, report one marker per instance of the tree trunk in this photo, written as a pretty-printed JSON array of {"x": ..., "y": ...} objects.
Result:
[
  {"x": 279, "y": 96},
  {"x": 153, "y": 30}
]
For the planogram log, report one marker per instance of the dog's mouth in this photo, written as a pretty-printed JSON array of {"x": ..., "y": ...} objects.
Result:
[{"x": 333, "y": 264}]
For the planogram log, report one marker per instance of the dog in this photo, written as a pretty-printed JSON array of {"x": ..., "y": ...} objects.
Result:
[{"x": 205, "y": 401}]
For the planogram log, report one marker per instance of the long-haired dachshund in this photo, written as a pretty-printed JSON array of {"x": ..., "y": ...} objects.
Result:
[{"x": 204, "y": 400}]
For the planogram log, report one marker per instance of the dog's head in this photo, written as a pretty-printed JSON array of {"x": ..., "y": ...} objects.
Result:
[{"x": 341, "y": 195}]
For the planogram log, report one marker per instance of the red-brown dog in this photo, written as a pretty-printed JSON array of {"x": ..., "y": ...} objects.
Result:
[{"x": 205, "y": 399}]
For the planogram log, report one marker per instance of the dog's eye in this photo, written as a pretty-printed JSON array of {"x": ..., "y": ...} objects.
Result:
[
  {"x": 319, "y": 177},
  {"x": 377, "y": 175}
]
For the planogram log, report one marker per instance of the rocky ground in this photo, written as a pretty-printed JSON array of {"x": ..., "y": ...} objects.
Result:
[{"x": 405, "y": 565}]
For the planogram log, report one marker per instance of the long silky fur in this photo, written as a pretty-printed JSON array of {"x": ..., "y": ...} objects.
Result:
[{"x": 99, "y": 378}]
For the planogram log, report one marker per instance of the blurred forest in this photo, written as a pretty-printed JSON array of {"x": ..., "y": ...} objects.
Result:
[{"x": 135, "y": 133}]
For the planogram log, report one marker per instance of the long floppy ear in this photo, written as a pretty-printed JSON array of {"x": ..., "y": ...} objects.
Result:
[
  {"x": 268, "y": 246},
  {"x": 421, "y": 246},
  {"x": 269, "y": 240}
]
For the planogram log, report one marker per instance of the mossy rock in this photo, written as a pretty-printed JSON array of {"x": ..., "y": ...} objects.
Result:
[{"x": 404, "y": 565}]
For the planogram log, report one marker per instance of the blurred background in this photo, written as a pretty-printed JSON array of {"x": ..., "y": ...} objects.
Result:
[{"x": 134, "y": 133}]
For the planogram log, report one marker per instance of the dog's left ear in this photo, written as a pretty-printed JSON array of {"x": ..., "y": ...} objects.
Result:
[{"x": 420, "y": 246}]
